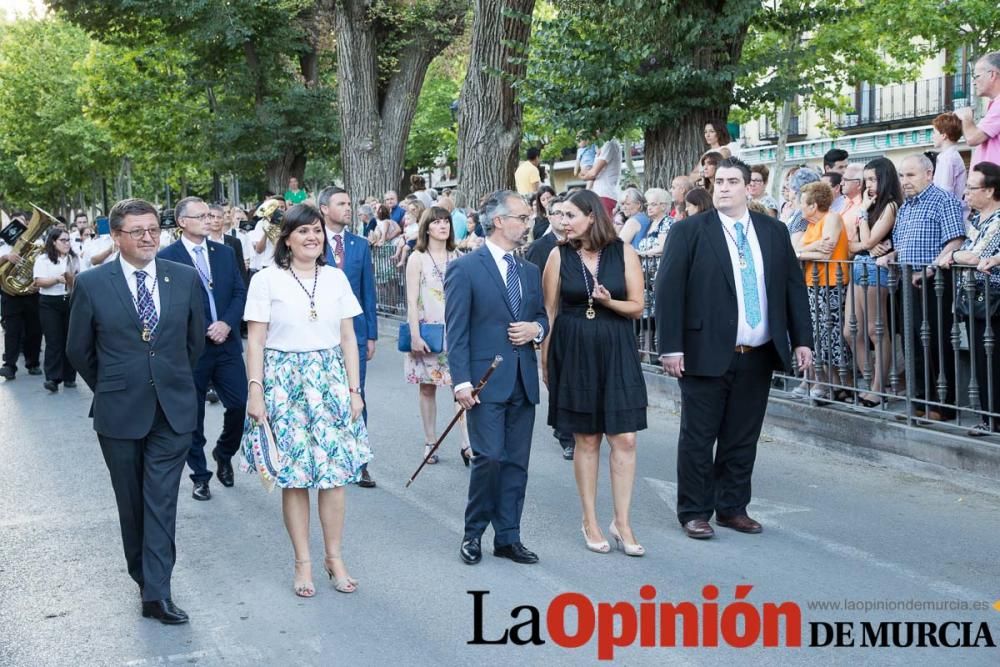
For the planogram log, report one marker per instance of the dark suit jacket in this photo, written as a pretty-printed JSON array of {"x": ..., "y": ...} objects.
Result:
[
  {"x": 477, "y": 315},
  {"x": 360, "y": 272},
  {"x": 129, "y": 376},
  {"x": 241, "y": 263},
  {"x": 696, "y": 306},
  {"x": 227, "y": 286},
  {"x": 538, "y": 252}
]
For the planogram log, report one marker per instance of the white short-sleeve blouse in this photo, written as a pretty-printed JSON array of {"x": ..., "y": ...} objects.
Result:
[
  {"x": 46, "y": 268},
  {"x": 276, "y": 298}
]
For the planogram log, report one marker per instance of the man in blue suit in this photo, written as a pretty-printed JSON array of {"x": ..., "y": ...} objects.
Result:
[
  {"x": 494, "y": 305},
  {"x": 350, "y": 253},
  {"x": 224, "y": 296}
]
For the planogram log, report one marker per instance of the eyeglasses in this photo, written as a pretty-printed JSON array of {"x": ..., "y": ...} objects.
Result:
[
  {"x": 850, "y": 180},
  {"x": 756, "y": 180},
  {"x": 978, "y": 187},
  {"x": 523, "y": 218},
  {"x": 65, "y": 240},
  {"x": 202, "y": 217},
  {"x": 655, "y": 203},
  {"x": 556, "y": 214},
  {"x": 975, "y": 77},
  {"x": 137, "y": 234}
]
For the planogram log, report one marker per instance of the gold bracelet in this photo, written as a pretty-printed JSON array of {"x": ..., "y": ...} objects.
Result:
[{"x": 254, "y": 381}]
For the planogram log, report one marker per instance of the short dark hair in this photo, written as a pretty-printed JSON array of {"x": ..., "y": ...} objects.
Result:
[
  {"x": 417, "y": 182},
  {"x": 424, "y": 230},
  {"x": 116, "y": 216},
  {"x": 295, "y": 217},
  {"x": 183, "y": 204},
  {"x": 991, "y": 177},
  {"x": 835, "y": 178},
  {"x": 602, "y": 233},
  {"x": 80, "y": 214},
  {"x": 533, "y": 153},
  {"x": 327, "y": 193},
  {"x": 735, "y": 163},
  {"x": 833, "y": 156}
]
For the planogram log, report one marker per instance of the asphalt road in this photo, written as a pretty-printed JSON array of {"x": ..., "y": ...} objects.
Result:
[{"x": 836, "y": 528}]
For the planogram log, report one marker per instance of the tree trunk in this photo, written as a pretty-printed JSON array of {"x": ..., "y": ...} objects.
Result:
[
  {"x": 674, "y": 149},
  {"x": 280, "y": 169},
  {"x": 784, "y": 123},
  {"x": 489, "y": 113},
  {"x": 375, "y": 120}
]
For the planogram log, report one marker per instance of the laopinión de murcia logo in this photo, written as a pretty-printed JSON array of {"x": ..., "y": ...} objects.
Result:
[{"x": 572, "y": 620}]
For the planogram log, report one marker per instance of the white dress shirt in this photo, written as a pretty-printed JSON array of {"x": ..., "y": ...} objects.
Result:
[
  {"x": 96, "y": 246},
  {"x": 745, "y": 335},
  {"x": 190, "y": 246},
  {"x": 150, "y": 270},
  {"x": 46, "y": 268},
  {"x": 264, "y": 259}
]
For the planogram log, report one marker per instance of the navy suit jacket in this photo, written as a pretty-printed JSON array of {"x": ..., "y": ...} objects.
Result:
[
  {"x": 361, "y": 274},
  {"x": 129, "y": 376},
  {"x": 477, "y": 314},
  {"x": 227, "y": 285}
]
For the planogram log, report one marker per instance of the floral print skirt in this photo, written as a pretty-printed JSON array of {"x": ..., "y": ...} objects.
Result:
[{"x": 308, "y": 403}]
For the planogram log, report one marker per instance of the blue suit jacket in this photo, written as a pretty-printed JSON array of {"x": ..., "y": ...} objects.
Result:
[
  {"x": 477, "y": 315},
  {"x": 361, "y": 273},
  {"x": 227, "y": 285}
]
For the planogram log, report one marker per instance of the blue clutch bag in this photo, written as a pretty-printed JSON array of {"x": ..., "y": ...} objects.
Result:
[{"x": 433, "y": 335}]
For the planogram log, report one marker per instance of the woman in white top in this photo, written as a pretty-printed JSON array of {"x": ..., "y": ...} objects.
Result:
[
  {"x": 54, "y": 272},
  {"x": 304, "y": 375}
]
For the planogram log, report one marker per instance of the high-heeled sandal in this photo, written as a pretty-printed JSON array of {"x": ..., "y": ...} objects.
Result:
[
  {"x": 467, "y": 455},
  {"x": 346, "y": 584},
  {"x": 597, "y": 547},
  {"x": 636, "y": 549},
  {"x": 305, "y": 590},
  {"x": 433, "y": 458}
]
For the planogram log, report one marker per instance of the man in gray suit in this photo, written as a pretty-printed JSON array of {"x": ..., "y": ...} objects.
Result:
[{"x": 136, "y": 331}]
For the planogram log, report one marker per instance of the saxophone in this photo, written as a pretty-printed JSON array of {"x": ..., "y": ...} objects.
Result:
[{"x": 17, "y": 279}]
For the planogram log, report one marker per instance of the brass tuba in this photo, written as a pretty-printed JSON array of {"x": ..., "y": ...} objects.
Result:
[
  {"x": 17, "y": 279},
  {"x": 271, "y": 213}
]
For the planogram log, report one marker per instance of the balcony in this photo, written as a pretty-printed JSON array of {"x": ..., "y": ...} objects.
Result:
[
  {"x": 769, "y": 131},
  {"x": 900, "y": 104}
]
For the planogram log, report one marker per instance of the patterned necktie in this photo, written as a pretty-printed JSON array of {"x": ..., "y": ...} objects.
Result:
[
  {"x": 144, "y": 302},
  {"x": 748, "y": 276},
  {"x": 513, "y": 285},
  {"x": 338, "y": 250},
  {"x": 206, "y": 276}
]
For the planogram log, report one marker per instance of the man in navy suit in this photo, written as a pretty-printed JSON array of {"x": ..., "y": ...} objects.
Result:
[
  {"x": 493, "y": 305},
  {"x": 350, "y": 253},
  {"x": 224, "y": 296}
]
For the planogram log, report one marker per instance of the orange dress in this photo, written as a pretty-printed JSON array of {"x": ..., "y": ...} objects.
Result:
[{"x": 825, "y": 274}]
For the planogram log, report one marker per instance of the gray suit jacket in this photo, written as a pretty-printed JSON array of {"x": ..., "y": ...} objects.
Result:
[{"x": 129, "y": 376}]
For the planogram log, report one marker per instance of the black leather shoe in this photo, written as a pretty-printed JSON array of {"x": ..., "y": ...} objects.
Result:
[
  {"x": 51, "y": 386},
  {"x": 224, "y": 471},
  {"x": 201, "y": 491},
  {"x": 366, "y": 481},
  {"x": 517, "y": 553},
  {"x": 70, "y": 385},
  {"x": 34, "y": 370},
  {"x": 471, "y": 552},
  {"x": 212, "y": 397},
  {"x": 7, "y": 373},
  {"x": 568, "y": 452},
  {"x": 165, "y": 611}
]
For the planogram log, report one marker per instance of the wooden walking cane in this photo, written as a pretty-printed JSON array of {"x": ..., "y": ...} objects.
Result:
[{"x": 475, "y": 392}]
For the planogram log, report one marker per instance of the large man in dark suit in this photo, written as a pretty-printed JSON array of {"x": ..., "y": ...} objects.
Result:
[
  {"x": 493, "y": 305},
  {"x": 350, "y": 253},
  {"x": 224, "y": 296},
  {"x": 729, "y": 298},
  {"x": 136, "y": 331}
]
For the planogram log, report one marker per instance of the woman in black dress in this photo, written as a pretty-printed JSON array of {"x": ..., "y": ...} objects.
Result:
[{"x": 593, "y": 289}]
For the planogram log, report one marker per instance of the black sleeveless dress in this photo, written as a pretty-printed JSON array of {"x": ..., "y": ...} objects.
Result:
[{"x": 595, "y": 380}]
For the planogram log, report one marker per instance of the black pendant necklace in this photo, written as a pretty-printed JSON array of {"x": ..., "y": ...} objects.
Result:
[{"x": 313, "y": 316}]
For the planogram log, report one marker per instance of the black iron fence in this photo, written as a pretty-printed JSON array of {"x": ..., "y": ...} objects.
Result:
[{"x": 895, "y": 341}]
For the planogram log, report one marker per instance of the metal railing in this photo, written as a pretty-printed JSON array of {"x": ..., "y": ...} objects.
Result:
[
  {"x": 903, "y": 101},
  {"x": 883, "y": 345}
]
